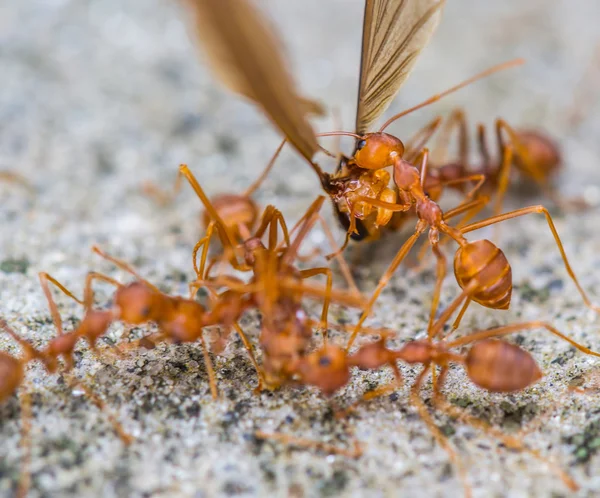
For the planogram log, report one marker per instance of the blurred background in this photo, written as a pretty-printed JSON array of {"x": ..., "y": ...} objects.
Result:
[{"x": 97, "y": 97}]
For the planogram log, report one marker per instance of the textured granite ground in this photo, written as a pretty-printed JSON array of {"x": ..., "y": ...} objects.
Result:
[{"x": 96, "y": 97}]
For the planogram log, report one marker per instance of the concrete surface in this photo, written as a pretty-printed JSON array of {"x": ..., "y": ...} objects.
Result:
[{"x": 97, "y": 97}]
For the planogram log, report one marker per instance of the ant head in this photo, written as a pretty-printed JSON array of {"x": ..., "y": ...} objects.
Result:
[
  {"x": 326, "y": 369},
  {"x": 11, "y": 375},
  {"x": 376, "y": 150},
  {"x": 137, "y": 303},
  {"x": 251, "y": 247},
  {"x": 501, "y": 367}
]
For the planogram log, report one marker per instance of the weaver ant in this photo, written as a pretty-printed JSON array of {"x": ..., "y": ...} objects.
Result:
[
  {"x": 12, "y": 369},
  {"x": 536, "y": 157},
  {"x": 286, "y": 330},
  {"x": 490, "y": 363},
  {"x": 478, "y": 265}
]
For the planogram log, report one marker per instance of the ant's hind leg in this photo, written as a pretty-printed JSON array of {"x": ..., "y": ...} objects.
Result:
[
  {"x": 326, "y": 301},
  {"x": 539, "y": 210},
  {"x": 419, "y": 140},
  {"x": 119, "y": 263},
  {"x": 385, "y": 278},
  {"x": 355, "y": 452},
  {"x": 437, "y": 434},
  {"x": 162, "y": 197},
  {"x": 26, "y": 416},
  {"x": 94, "y": 398},
  {"x": 509, "y": 441}
]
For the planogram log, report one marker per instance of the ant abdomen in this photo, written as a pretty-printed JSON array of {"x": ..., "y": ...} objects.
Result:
[
  {"x": 483, "y": 262},
  {"x": 11, "y": 375},
  {"x": 235, "y": 211},
  {"x": 542, "y": 152},
  {"x": 498, "y": 366}
]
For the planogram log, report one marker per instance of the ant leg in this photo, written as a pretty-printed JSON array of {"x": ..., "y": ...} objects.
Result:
[
  {"x": 123, "y": 266},
  {"x": 311, "y": 217},
  {"x": 385, "y": 278},
  {"x": 256, "y": 184},
  {"x": 328, "y": 286},
  {"x": 458, "y": 119},
  {"x": 94, "y": 398},
  {"x": 518, "y": 327},
  {"x": 503, "y": 179},
  {"x": 26, "y": 416},
  {"x": 459, "y": 318},
  {"x": 540, "y": 210},
  {"x": 440, "y": 438},
  {"x": 88, "y": 293},
  {"x": 248, "y": 346},
  {"x": 509, "y": 441},
  {"x": 162, "y": 197},
  {"x": 438, "y": 326},
  {"x": 339, "y": 296},
  {"x": 309, "y": 443},
  {"x": 378, "y": 392},
  {"x": 520, "y": 151},
  {"x": 44, "y": 279},
  {"x": 212, "y": 381},
  {"x": 441, "y": 271},
  {"x": 420, "y": 139},
  {"x": 273, "y": 232},
  {"x": 12, "y": 177},
  {"x": 347, "y": 274},
  {"x": 228, "y": 240},
  {"x": 203, "y": 244}
]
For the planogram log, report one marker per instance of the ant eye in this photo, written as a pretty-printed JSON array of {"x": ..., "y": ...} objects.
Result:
[
  {"x": 360, "y": 144},
  {"x": 145, "y": 311},
  {"x": 324, "y": 361}
]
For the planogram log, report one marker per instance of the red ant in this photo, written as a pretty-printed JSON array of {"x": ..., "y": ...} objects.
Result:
[
  {"x": 491, "y": 363},
  {"x": 536, "y": 156},
  {"x": 479, "y": 265},
  {"x": 12, "y": 370},
  {"x": 286, "y": 331}
]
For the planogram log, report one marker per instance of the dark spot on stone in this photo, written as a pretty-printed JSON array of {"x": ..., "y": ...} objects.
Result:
[
  {"x": 193, "y": 410},
  {"x": 394, "y": 397},
  {"x": 562, "y": 358},
  {"x": 448, "y": 430},
  {"x": 227, "y": 144},
  {"x": 14, "y": 265},
  {"x": 556, "y": 285},
  {"x": 334, "y": 485},
  {"x": 586, "y": 443},
  {"x": 268, "y": 472},
  {"x": 235, "y": 488},
  {"x": 104, "y": 161},
  {"x": 186, "y": 125}
]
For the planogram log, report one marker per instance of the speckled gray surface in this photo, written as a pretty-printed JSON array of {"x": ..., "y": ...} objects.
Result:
[{"x": 96, "y": 97}]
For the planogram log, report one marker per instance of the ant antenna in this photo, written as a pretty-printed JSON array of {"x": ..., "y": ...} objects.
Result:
[
  {"x": 435, "y": 98},
  {"x": 338, "y": 133}
]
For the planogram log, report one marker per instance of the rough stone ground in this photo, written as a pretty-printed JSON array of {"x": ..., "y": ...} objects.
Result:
[{"x": 98, "y": 96}]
